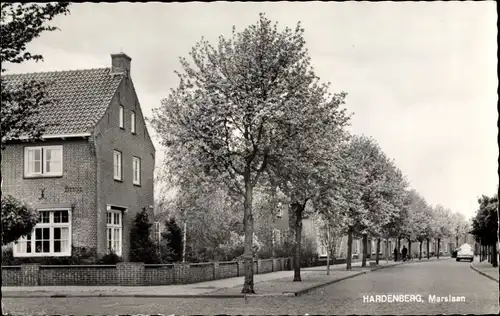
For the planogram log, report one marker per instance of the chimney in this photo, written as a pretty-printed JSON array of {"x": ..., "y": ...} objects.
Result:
[{"x": 120, "y": 64}]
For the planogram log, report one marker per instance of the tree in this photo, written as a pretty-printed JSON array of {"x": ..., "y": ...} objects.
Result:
[
  {"x": 381, "y": 191},
  {"x": 142, "y": 248},
  {"x": 459, "y": 227},
  {"x": 420, "y": 217},
  {"x": 485, "y": 225},
  {"x": 307, "y": 163},
  {"x": 232, "y": 109},
  {"x": 18, "y": 219},
  {"x": 20, "y": 24},
  {"x": 442, "y": 224},
  {"x": 172, "y": 244},
  {"x": 331, "y": 230}
]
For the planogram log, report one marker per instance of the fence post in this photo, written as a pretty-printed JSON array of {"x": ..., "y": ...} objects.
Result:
[{"x": 216, "y": 270}]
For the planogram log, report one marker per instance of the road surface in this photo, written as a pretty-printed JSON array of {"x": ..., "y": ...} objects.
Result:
[{"x": 427, "y": 286}]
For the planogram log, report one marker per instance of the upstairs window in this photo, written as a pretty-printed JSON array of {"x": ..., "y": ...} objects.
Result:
[
  {"x": 132, "y": 122},
  {"x": 277, "y": 237},
  {"x": 122, "y": 125},
  {"x": 43, "y": 161},
  {"x": 117, "y": 165},
  {"x": 279, "y": 212},
  {"x": 136, "y": 166}
]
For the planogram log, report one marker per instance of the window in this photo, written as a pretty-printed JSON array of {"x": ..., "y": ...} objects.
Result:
[
  {"x": 322, "y": 251},
  {"x": 132, "y": 122},
  {"x": 50, "y": 237},
  {"x": 43, "y": 161},
  {"x": 157, "y": 232},
  {"x": 121, "y": 117},
  {"x": 277, "y": 236},
  {"x": 114, "y": 231},
  {"x": 136, "y": 166},
  {"x": 280, "y": 210},
  {"x": 117, "y": 162}
]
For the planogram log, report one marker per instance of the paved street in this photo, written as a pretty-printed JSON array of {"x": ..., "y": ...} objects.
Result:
[{"x": 440, "y": 278}]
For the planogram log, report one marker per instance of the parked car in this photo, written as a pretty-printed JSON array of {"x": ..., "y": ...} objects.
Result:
[{"x": 465, "y": 252}]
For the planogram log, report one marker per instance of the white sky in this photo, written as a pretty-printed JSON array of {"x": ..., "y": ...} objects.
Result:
[{"x": 421, "y": 77}]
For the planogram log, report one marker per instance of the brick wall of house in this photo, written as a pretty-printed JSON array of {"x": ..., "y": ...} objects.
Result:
[
  {"x": 76, "y": 188},
  {"x": 109, "y": 137},
  {"x": 132, "y": 273}
]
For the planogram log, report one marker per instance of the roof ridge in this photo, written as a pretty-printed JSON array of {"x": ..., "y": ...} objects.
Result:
[{"x": 53, "y": 71}]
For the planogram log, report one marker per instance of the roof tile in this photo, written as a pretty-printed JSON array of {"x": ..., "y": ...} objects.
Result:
[{"x": 80, "y": 97}]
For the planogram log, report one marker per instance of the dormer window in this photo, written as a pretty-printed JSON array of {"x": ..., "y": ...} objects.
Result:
[{"x": 122, "y": 125}]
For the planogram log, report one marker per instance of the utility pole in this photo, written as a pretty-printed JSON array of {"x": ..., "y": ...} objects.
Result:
[{"x": 184, "y": 238}]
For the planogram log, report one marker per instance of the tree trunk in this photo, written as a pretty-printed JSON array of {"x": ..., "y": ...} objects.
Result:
[
  {"x": 378, "y": 250},
  {"x": 456, "y": 238},
  {"x": 480, "y": 251},
  {"x": 428, "y": 248},
  {"x": 387, "y": 250},
  {"x": 409, "y": 247},
  {"x": 328, "y": 251},
  {"x": 420, "y": 253},
  {"x": 494, "y": 260},
  {"x": 399, "y": 248},
  {"x": 297, "y": 208},
  {"x": 248, "y": 226},
  {"x": 489, "y": 253},
  {"x": 438, "y": 247},
  {"x": 349, "y": 248},
  {"x": 365, "y": 250}
]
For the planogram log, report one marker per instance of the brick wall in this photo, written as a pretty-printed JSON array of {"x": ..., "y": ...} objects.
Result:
[
  {"x": 75, "y": 189},
  {"x": 109, "y": 137},
  {"x": 159, "y": 274},
  {"x": 78, "y": 275},
  {"x": 11, "y": 276},
  {"x": 131, "y": 273}
]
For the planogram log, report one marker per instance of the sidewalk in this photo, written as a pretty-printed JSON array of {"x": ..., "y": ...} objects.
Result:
[
  {"x": 485, "y": 268},
  {"x": 269, "y": 284}
]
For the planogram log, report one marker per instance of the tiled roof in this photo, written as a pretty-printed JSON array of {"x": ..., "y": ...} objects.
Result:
[{"x": 80, "y": 97}]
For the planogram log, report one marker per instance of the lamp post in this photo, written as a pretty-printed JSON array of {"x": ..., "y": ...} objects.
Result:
[{"x": 184, "y": 243}]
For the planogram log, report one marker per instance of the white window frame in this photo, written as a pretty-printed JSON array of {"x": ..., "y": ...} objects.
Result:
[
  {"x": 113, "y": 227},
  {"x": 280, "y": 210},
  {"x": 43, "y": 161},
  {"x": 50, "y": 225},
  {"x": 117, "y": 165},
  {"x": 157, "y": 231},
  {"x": 136, "y": 161},
  {"x": 276, "y": 237},
  {"x": 322, "y": 251},
  {"x": 132, "y": 122},
  {"x": 121, "y": 117}
]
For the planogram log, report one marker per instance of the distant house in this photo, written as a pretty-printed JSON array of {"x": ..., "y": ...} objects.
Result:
[{"x": 93, "y": 169}]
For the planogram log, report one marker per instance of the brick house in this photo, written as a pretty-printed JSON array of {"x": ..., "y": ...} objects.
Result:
[
  {"x": 93, "y": 169},
  {"x": 273, "y": 228}
]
